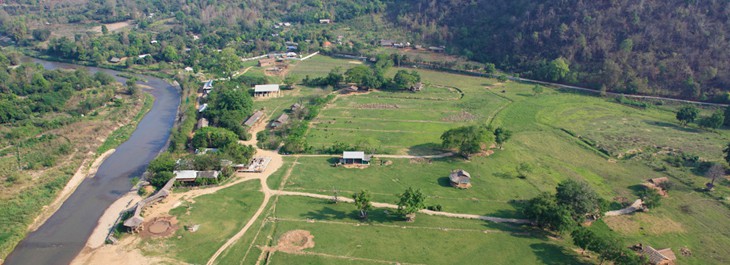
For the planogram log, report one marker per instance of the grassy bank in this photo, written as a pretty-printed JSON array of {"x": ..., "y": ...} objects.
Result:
[{"x": 123, "y": 133}]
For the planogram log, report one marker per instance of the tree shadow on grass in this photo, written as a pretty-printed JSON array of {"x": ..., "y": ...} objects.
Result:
[
  {"x": 637, "y": 189},
  {"x": 333, "y": 160},
  {"x": 673, "y": 126},
  {"x": 425, "y": 149},
  {"x": 552, "y": 254},
  {"x": 326, "y": 214}
]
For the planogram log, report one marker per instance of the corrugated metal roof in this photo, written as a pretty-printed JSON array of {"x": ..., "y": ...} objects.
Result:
[
  {"x": 266, "y": 88},
  {"x": 353, "y": 155}
]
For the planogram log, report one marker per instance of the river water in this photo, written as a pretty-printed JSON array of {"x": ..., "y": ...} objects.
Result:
[{"x": 65, "y": 233}]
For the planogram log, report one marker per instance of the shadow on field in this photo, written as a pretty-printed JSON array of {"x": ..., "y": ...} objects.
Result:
[
  {"x": 445, "y": 182},
  {"x": 326, "y": 213},
  {"x": 425, "y": 149},
  {"x": 637, "y": 189},
  {"x": 333, "y": 160},
  {"x": 673, "y": 126},
  {"x": 552, "y": 254}
]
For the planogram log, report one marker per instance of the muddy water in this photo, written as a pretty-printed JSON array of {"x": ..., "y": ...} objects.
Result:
[{"x": 65, "y": 233}]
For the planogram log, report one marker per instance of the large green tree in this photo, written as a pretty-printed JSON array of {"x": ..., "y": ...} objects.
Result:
[
  {"x": 467, "y": 140},
  {"x": 501, "y": 136},
  {"x": 579, "y": 197},
  {"x": 362, "y": 202},
  {"x": 713, "y": 121},
  {"x": 411, "y": 201},
  {"x": 687, "y": 114}
]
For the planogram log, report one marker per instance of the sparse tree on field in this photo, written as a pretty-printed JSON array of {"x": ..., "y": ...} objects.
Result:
[
  {"x": 501, "y": 136},
  {"x": 579, "y": 197},
  {"x": 362, "y": 202},
  {"x": 104, "y": 30},
  {"x": 716, "y": 171},
  {"x": 132, "y": 88},
  {"x": 537, "y": 90},
  {"x": 687, "y": 114},
  {"x": 411, "y": 201},
  {"x": 467, "y": 140},
  {"x": 584, "y": 238}
]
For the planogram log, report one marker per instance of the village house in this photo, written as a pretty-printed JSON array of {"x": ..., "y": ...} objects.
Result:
[
  {"x": 437, "y": 49},
  {"x": 387, "y": 43},
  {"x": 658, "y": 257},
  {"x": 202, "y": 123},
  {"x": 254, "y": 119},
  {"x": 355, "y": 158},
  {"x": 115, "y": 60},
  {"x": 271, "y": 90},
  {"x": 142, "y": 56},
  {"x": 325, "y": 21},
  {"x": 283, "y": 119},
  {"x": 416, "y": 87},
  {"x": 296, "y": 106},
  {"x": 188, "y": 69},
  {"x": 203, "y": 108},
  {"x": 187, "y": 176},
  {"x": 207, "y": 87},
  {"x": 460, "y": 179}
]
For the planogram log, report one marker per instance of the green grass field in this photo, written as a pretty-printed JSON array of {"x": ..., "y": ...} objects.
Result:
[
  {"x": 220, "y": 215},
  {"x": 559, "y": 135}
]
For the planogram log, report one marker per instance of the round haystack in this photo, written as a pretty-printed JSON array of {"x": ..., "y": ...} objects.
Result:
[
  {"x": 460, "y": 179},
  {"x": 160, "y": 227},
  {"x": 295, "y": 240}
]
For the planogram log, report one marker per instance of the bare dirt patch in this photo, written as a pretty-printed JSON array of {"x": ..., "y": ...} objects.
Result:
[
  {"x": 460, "y": 117},
  {"x": 354, "y": 62},
  {"x": 164, "y": 226},
  {"x": 112, "y": 27},
  {"x": 643, "y": 224},
  {"x": 378, "y": 106},
  {"x": 295, "y": 241}
]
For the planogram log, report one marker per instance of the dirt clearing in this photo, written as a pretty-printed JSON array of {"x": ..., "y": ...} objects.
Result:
[
  {"x": 113, "y": 26},
  {"x": 643, "y": 224},
  {"x": 295, "y": 241}
]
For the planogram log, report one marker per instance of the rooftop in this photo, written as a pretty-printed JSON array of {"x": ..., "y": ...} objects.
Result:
[
  {"x": 265, "y": 88},
  {"x": 355, "y": 155},
  {"x": 185, "y": 174},
  {"x": 254, "y": 118}
]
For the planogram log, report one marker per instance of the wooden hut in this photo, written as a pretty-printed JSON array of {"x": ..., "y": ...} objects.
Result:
[
  {"x": 283, "y": 119},
  {"x": 658, "y": 257},
  {"x": 460, "y": 179}
]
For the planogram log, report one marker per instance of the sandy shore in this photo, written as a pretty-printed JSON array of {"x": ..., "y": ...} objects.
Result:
[
  {"x": 82, "y": 173},
  {"x": 124, "y": 253},
  {"x": 107, "y": 220}
]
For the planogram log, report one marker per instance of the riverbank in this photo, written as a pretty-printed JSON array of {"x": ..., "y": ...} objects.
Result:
[{"x": 62, "y": 236}]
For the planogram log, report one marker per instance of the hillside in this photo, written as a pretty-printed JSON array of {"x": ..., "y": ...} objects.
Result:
[{"x": 677, "y": 48}]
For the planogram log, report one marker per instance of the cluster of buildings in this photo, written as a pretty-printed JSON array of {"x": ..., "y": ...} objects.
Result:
[{"x": 399, "y": 44}]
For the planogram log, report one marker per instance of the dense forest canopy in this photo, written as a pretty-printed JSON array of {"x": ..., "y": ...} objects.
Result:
[
  {"x": 670, "y": 47},
  {"x": 676, "y": 48}
]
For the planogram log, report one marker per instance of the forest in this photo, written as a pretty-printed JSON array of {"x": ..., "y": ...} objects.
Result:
[{"x": 674, "y": 48}]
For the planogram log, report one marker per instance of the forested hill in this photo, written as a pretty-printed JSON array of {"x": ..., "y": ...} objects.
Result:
[{"x": 667, "y": 47}]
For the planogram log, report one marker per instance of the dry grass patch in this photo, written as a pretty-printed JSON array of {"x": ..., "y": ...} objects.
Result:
[{"x": 641, "y": 223}]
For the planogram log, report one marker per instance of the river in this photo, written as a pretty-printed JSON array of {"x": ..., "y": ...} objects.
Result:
[{"x": 65, "y": 233}]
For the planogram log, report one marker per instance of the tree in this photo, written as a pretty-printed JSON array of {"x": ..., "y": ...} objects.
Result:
[
  {"x": 362, "y": 202},
  {"x": 228, "y": 61},
  {"x": 579, "y": 197},
  {"x": 713, "y": 121},
  {"x": 467, "y": 140},
  {"x": 545, "y": 211},
  {"x": 238, "y": 153},
  {"x": 132, "y": 88},
  {"x": 537, "y": 90},
  {"x": 411, "y": 201},
  {"x": 160, "y": 179},
  {"x": 726, "y": 121},
  {"x": 104, "y": 30},
  {"x": 212, "y": 137},
  {"x": 726, "y": 151},
  {"x": 687, "y": 114},
  {"x": 501, "y": 136},
  {"x": 164, "y": 162},
  {"x": 290, "y": 81},
  {"x": 557, "y": 69},
  {"x": 585, "y": 239},
  {"x": 405, "y": 80},
  {"x": 716, "y": 171},
  {"x": 169, "y": 54},
  {"x": 41, "y": 34},
  {"x": 650, "y": 197},
  {"x": 490, "y": 68}
]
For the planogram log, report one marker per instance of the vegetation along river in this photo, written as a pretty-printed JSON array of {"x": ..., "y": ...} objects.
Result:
[{"x": 65, "y": 233}]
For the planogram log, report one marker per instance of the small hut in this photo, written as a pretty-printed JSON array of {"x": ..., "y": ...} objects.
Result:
[
  {"x": 659, "y": 257},
  {"x": 355, "y": 158},
  {"x": 460, "y": 179},
  {"x": 283, "y": 119},
  {"x": 416, "y": 87}
]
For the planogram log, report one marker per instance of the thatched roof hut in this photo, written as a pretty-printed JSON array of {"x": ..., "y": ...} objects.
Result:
[{"x": 460, "y": 179}]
